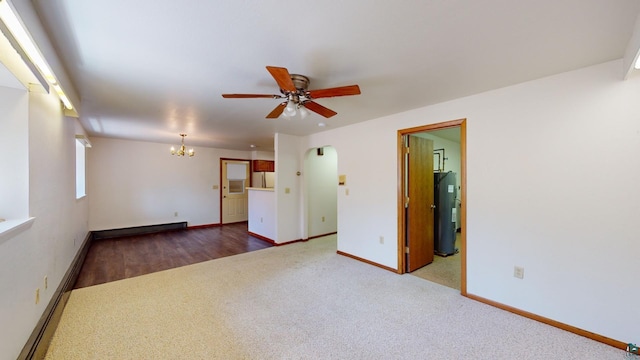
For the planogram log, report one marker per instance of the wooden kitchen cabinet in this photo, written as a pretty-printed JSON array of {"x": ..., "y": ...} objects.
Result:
[{"x": 264, "y": 166}]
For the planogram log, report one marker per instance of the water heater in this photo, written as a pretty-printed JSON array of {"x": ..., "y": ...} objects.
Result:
[{"x": 444, "y": 215}]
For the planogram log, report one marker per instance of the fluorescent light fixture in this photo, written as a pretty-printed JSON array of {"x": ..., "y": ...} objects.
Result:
[
  {"x": 637, "y": 65},
  {"x": 19, "y": 33},
  {"x": 83, "y": 140},
  {"x": 63, "y": 96}
]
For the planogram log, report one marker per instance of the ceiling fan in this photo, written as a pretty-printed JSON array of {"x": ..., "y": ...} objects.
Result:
[{"x": 293, "y": 88}]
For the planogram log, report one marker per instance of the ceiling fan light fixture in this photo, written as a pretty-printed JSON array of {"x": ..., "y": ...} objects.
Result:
[
  {"x": 290, "y": 109},
  {"x": 293, "y": 88},
  {"x": 303, "y": 111}
]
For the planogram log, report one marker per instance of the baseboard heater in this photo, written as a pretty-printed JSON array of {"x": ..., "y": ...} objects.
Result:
[
  {"x": 138, "y": 230},
  {"x": 38, "y": 343}
]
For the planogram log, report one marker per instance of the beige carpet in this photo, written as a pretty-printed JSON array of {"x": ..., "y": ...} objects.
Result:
[{"x": 300, "y": 301}]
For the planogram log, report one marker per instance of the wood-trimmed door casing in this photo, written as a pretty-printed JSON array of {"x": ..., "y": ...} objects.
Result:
[{"x": 402, "y": 220}]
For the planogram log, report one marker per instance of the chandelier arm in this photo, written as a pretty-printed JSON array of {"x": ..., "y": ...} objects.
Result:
[{"x": 182, "y": 150}]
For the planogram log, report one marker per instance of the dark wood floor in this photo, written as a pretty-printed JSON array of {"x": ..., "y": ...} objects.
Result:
[{"x": 115, "y": 259}]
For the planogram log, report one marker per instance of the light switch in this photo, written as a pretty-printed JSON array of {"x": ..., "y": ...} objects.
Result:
[
  {"x": 342, "y": 179},
  {"x": 215, "y": 187},
  {"x": 287, "y": 190}
]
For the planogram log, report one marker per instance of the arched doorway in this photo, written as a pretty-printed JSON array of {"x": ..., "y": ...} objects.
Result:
[{"x": 321, "y": 191}]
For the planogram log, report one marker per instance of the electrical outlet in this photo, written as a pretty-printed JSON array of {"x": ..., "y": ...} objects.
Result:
[
  {"x": 175, "y": 214},
  {"x": 518, "y": 272},
  {"x": 215, "y": 187},
  {"x": 381, "y": 239},
  {"x": 260, "y": 219},
  {"x": 346, "y": 192},
  {"x": 37, "y": 296},
  {"x": 46, "y": 282},
  {"x": 323, "y": 219},
  {"x": 287, "y": 190}
]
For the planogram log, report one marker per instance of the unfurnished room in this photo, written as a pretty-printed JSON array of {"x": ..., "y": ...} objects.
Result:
[{"x": 319, "y": 179}]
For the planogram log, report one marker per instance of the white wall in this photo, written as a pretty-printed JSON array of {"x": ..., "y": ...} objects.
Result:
[
  {"x": 262, "y": 155},
  {"x": 321, "y": 191},
  {"x": 289, "y": 222},
  {"x": 135, "y": 183},
  {"x": 451, "y": 150},
  {"x": 49, "y": 245},
  {"x": 367, "y": 202},
  {"x": 561, "y": 201},
  {"x": 262, "y": 218},
  {"x": 14, "y": 166}
]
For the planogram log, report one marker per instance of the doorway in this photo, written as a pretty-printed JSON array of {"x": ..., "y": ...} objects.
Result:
[
  {"x": 234, "y": 202},
  {"x": 414, "y": 202}
]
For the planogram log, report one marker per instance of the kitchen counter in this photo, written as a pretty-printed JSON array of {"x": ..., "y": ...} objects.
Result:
[{"x": 262, "y": 209}]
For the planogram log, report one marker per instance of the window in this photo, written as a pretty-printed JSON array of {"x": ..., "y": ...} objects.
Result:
[
  {"x": 236, "y": 186},
  {"x": 236, "y": 175}
]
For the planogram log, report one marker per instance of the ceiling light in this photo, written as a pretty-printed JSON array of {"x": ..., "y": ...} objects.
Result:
[
  {"x": 290, "y": 109},
  {"x": 295, "y": 106},
  {"x": 303, "y": 112},
  {"x": 637, "y": 65},
  {"x": 182, "y": 151},
  {"x": 28, "y": 47},
  {"x": 321, "y": 124}
]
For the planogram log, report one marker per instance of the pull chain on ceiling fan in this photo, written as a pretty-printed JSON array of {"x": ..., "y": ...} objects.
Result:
[{"x": 293, "y": 88}]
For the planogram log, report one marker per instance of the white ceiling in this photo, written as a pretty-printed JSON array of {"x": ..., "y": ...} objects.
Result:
[{"x": 151, "y": 69}]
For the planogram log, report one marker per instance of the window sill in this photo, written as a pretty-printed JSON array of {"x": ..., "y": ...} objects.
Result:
[{"x": 11, "y": 228}]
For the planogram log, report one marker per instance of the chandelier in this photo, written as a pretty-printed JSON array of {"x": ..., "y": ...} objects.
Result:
[{"x": 182, "y": 151}]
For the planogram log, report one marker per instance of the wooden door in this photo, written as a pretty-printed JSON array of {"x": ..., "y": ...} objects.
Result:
[
  {"x": 420, "y": 203},
  {"x": 235, "y": 201}
]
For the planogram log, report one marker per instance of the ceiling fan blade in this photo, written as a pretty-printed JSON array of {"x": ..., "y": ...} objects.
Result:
[
  {"x": 336, "y": 91},
  {"x": 282, "y": 77},
  {"x": 317, "y": 108},
  {"x": 245, "y": 96},
  {"x": 275, "y": 113}
]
